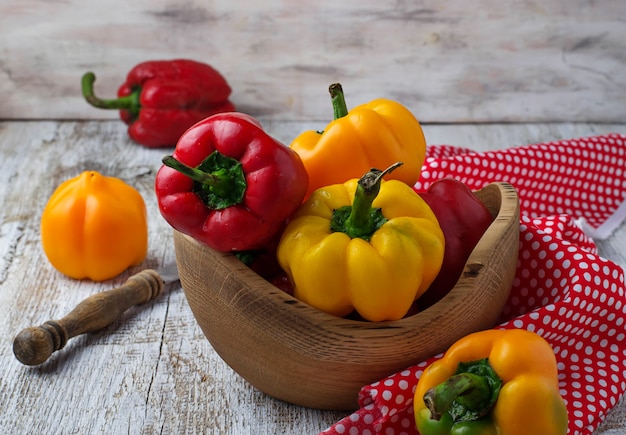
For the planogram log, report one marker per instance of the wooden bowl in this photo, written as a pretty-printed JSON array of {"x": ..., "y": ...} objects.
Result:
[{"x": 304, "y": 356}]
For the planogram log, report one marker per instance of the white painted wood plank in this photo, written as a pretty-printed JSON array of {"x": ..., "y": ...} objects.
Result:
[{"x": 454, "y": 61}]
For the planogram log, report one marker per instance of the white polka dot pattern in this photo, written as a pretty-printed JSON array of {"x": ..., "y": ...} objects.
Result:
[
  {"x": 563, "y": 290},
  {"x": 579, "y": 177}
]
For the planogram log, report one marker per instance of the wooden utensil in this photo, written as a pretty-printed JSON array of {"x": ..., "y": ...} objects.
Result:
[{"x": 34, "y": 345}]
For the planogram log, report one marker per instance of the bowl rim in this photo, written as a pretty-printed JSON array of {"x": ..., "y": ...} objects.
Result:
[{"x": 502, "y": 219}]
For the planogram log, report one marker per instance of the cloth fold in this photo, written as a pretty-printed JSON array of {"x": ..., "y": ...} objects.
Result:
[{"x": 571, "y": 192}]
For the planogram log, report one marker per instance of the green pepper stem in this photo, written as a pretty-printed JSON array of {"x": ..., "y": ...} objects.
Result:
[
  {"x": 219, "y": 180},
  {"x": 440, "y": 398},
  {"x": 338, "y": 101},
  {"x": 360, "y": 220},
  {"x": 367, "y": 190},
  {"x": 468, "y": 395},
  {"x": 215, "y": 181},
  {"x": 129, "y": 102}
]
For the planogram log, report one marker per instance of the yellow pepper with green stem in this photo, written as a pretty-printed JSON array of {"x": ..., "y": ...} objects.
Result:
[
  {"x": 494, "y": 382},
  {"x": 372, "y": 135},
  {"x": 368, "y": 245}
]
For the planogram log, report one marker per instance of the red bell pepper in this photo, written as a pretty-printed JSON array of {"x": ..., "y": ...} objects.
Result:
[
  {"x": 463, "y": 220},
  {"x": 229, "y": 184},
  {"x": 163, "y": 98}
]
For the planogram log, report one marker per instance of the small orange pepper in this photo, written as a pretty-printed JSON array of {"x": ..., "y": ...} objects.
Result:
[
  {"x": 94, "y": 227},
  {"x": 372, "y": 135}
]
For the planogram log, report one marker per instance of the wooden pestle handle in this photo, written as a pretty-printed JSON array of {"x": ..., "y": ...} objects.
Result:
[{"x": 34, "y": 345}]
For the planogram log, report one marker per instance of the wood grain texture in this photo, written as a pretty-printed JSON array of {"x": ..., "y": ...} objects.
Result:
[
  {"x": 35, "y": 344},
  {"x": 456, "y": 61},
  {"x": 153, "y": 371}
]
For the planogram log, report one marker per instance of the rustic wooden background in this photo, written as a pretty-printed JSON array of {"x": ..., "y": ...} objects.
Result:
[
  {"x": 466, "y": 69},
  {"x": 448, "y": 61}
]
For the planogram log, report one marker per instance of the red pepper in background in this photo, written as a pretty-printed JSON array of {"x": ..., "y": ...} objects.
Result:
[
  {"x": 161, "y": 99},
  {"x": 463, "y": 220},
  {"x": 229, "y": 184}
]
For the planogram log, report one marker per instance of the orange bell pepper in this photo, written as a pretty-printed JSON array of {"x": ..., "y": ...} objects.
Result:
[
  {"x": 94, "y": 227},
  {"x": 492, "y": 382},
  {"x": 372, "y": 135}
]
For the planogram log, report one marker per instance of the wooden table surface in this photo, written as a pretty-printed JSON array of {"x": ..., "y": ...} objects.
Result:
[{"x": 152, "y": 371}]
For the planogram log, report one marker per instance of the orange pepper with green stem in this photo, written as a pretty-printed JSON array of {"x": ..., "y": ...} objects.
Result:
[
  {"x": 372, "y": 135},
  {"x": 494, "y": 382}
]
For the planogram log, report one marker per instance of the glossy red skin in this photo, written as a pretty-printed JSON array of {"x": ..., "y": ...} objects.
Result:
[
  {"x": 175, "y": 94},
  {"x": 276, "y": 184},
  {"x": 463, "y": 220}
]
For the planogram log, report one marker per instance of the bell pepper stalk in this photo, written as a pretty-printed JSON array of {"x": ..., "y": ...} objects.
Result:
[
  {"x": 464, "y": 220},
  {"x": 372, "y": 135},
  {"x": 367, "y": 245},
  {"x": 161, "y": 99},
  {"x": 360, "y": 219},
  {"x": 94, "y": 227},
  {"x": 492, "y": 382},
  {"x": 230, "y": 185},
  {"x": 467, "y": 395},
  {"x": 220, "y": 180}
]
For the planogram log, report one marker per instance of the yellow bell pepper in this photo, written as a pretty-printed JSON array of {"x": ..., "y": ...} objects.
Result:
[
  {"x": 368, "y": 245},
  {"x": 94, "y": 227},
  {"x": 500, "y": 382},
  {"x": 372, "y": 135}
]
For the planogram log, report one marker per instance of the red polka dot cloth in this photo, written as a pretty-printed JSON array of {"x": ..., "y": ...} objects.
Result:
[{"x": 571, "y": 192}]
